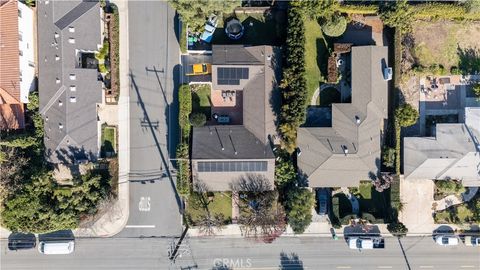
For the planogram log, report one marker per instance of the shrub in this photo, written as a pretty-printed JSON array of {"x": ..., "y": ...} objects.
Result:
[
  {"x": 285, "y": 173},
  {"x": 388, "y": 157},
  {"x": 476, "y": 90},
  {"x": 346, "y": 219},
  {"x": 335, "y": 27},
  {"x": 406, "y": 115},
  {"x": 397, "y": 229},
  {"x": 185, "y": 108},
  {"x": 455, "y": 71},
  {"x": 448, "y": 187},
  {"x": 371, "y": 219},
  {"x": 198, "y": 119}
]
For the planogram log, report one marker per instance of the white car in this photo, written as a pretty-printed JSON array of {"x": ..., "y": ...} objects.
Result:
[
  {"x": 472, "y": 241},
  {"x": 446, "y": 240},
  {"x": 387, "y": 73},
  {"x": 56, "y": 247},
  {"x": 359, "y": 243}
]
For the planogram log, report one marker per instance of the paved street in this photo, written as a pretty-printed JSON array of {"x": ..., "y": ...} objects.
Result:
[
  {"x": 313, "y": 253},
  {"x": 153, "y": 63}
]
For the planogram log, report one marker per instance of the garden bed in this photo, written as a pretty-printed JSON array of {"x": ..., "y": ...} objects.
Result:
[{"x": 460, "y": 214}]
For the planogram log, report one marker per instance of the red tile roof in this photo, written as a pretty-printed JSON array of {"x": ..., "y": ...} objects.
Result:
[{"x": 11, "y": 108}]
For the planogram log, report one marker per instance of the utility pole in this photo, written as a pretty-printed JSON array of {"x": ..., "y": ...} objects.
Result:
[{"x": 178, "y": 249}]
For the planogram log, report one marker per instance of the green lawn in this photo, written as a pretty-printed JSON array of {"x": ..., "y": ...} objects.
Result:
[
  {"x": 371, "y": 201},
  {"x": 259, "y": 29},
  {"x": 316, "y": 56},
  {"x": 220, "y": 203},
  {"x": 108, "y": 140},
  {"x": 201, "y": 99}
]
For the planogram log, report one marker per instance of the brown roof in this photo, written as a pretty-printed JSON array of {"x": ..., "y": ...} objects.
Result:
[{"x": 11, "y": 107}]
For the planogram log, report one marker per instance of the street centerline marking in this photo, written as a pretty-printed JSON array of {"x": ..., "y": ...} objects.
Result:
[
  {"x": 140, "y": 226},
  {"x": 426, "y": 266},
  {"x": 344, "y": 267},
  {"x": 467, "y": 266},
  {"x": 385, "y": 267}
]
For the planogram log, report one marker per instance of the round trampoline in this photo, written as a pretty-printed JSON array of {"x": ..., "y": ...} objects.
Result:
[{"x": 234, "y": 29}]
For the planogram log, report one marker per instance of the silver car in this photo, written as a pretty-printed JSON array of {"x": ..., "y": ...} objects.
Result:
[{"x": 446, "y": 240}]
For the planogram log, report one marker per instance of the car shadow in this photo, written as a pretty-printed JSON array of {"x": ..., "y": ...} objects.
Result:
[{"x": 442, "y": 230}]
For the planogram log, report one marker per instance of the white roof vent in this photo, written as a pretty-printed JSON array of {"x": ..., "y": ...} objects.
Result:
[
  {"x": 71, "y": 29},
  {"x": 357, "y": 119},
  {"x": 57, "y": 80},
  {"x": 46, "y": 2},
  {"x": 345, "y": 150},
  {"x": 73, "y": 77},
  {"x": 57, "y": 57},
  {"x": 60, "y": 125},
  {"x": 73, "y": 88},
  {"x": 57, "y": 35},
  {"x": 71, "y": 40},
  {"x": 60, "y": 103},
  {"x": 73, "y": 99},
  {"x": 46, "y": 118}
]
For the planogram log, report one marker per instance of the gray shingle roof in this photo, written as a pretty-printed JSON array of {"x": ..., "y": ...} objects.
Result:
[
  {"x": 71, "y": 128},
  {"x": 208, "y": 142},
  {"x": 453, "y": 154},
  {"x": 323, "y": 159}
]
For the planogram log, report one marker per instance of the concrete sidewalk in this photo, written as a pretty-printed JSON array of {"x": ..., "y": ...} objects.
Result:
[{"x": 316, "y": 229}]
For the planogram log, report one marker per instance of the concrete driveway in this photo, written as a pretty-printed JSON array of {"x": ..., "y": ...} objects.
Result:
[
  {"x": 190, "y": 59},
  {"x": 417, "y": 199}
]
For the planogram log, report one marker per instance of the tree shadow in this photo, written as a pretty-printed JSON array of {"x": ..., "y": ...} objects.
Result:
[
  {"x": 152, "y": 128},
  {"x": 443, "y": 229},
  {"x": 290, "y": 261},
  {"x": 469, "y": 60},
  {"x": 251, "y": 183}
]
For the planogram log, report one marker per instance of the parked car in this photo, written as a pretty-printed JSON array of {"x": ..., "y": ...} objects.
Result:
[
  {"x": 323, "y": 197},
  {"x": 446, "y": 240},
  {"x": 387, "y": 73},
  {"x": 360, "y": 243},
  {"x": 199, "y": 69},
  {"x": 18, "y": 244},
  {"x": 54, "y": 248},
  {"x": 472, "y": 241}
]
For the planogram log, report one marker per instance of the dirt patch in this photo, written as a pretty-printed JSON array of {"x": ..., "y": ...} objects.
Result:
[{"x": 439, "y": 42}]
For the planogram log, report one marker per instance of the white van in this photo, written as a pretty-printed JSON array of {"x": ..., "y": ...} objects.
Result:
[
  {"x": 359, "y": 243},
  {"x": 56, "y": 247}
]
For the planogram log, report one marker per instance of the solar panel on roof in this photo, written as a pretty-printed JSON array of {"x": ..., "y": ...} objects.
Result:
[
  {"x": 232, "y": 166},
  {"x": 231, "y": 76}
]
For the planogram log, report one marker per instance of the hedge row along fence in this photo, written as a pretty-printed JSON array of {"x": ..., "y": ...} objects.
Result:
[
  {"x": 185, "y": 109},
  {"x": 424, "y": 11},
  {"x": 294, "y": 90}
]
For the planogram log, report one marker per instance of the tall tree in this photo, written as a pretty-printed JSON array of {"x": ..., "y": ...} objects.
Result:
[
  {"x": 406, "y": 115},
  {"x": 195, "y": 13},
  {"x": 398, "y": 14},
  {"x": 299, "y": 204}
]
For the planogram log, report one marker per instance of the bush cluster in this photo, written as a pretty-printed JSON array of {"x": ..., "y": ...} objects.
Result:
[{"x": 183, "y": 175}]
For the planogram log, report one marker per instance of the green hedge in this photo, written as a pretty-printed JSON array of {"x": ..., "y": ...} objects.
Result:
[
  {"x": 183, "y": 174},
  {"x": 395, "y": 193},
  {"x": 185, "y": 109},
  {"x": 436, "y": 11},
  {"x": 294, "y": 88},
  {"x": 358, "y": 9}
]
